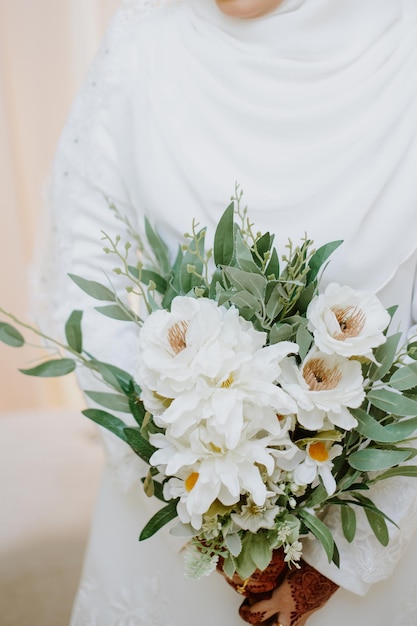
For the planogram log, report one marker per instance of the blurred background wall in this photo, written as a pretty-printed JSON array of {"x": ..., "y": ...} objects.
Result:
[
  {"x": 50, "y": 456},
  {"x": 45, "y": 47}
]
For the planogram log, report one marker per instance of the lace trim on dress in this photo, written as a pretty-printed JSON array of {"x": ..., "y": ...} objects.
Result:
[{"x": 142, "y": 604}]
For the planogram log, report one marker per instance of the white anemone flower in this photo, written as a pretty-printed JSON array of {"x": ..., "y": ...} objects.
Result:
[
  {"x": 318, "y": 462},
  {"x": 213, "y": 471},
  {"x": 323, "y": 387},
  {"x": 347, "y": 322},
  {"x": 253, "y": 517},
  {"x": 195, "y": 339}
]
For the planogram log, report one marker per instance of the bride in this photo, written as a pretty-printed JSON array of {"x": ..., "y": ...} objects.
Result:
[{"x": 311, "y": 106}]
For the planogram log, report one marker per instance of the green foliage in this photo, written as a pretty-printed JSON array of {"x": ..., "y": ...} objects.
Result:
[
  {"x": 93, "y": 288},
  {"x": 73, "y": 332},
  {"x": 319, "y": 530},
  {"x": 51, "y": 369},
  {"x": 160, "y": 519},
  {"x": 11, "y": 336}
]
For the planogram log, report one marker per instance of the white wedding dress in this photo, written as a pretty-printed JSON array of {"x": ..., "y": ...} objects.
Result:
[{"x": 313, "y": 110}]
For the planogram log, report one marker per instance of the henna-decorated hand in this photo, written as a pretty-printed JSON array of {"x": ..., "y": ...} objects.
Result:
[
  {"x": 261, "y": 583},
  {"x": 302, "y": 592}
]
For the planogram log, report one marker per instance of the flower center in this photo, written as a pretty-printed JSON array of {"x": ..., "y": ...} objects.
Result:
[
  {"x": 191, "y": 481},
  {"x": 351, "y": 321},
  {"x": 319, "y": 377},
  {"x": 228, "y": 382},
  {"x": 318, "y": 451},
  {"x": 177, "y": 336}
]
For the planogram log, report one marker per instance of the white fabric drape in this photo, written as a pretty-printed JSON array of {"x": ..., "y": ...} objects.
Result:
[{"x": 45, "y": 47}]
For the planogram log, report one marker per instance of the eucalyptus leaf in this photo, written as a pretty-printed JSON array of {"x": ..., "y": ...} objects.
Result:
[
  {"x": 174, "y": 285},
  {"x": 73, "y": 331},
  {"x": 403, "y": 470},
  {"x": 348, "y": 517},
  {"x": 246, "y": 281},
  {"x": 11, "y": 336},
  {"x": 304, "y": 340},
  {"x": 51, "y": 369},
  {"x": 112, "y": 401},
  {"x": 243, "y": 299},
  {"x": 384, "y": 356},
  {"x": 116, "y": 312},
  {"x": 160, "y": 519},
  {"x": 139, "y": 444},
  {"x": 320, "y": 257},
  {"x": 261, "y": 552},
  {"x": 93, "y": 288},
  {"x": 378, "y": 525},
  {"x": 319, "y": 530},
  {"x": 108, "y": 421},
  {"x": 161, "y": 284},
  {"x": 405, "y": 377},
  {"x": 223, "y": 246},
  {"x": 392, "y": 402},
  {"x": 158, "y": 246},
  {"x": 392, "y": 433},
  {"x": 280, "y": 332},
  {"x": 272, "y": 269},
  {"x": 374, "y": 460},
  {"x": 113, "y": 375}
]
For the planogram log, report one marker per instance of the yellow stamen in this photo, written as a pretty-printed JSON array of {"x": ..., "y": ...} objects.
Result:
[
  {"x": 177, "y": 336},
  {"x": 228, "y": 382},
  {"x": 215, "y": 448},
  {"x": 319, "y": 377},
  {"x": 318, "y": 451},
  {"x": 351, "y": 321},
  {"x": 191, "y": 481}
]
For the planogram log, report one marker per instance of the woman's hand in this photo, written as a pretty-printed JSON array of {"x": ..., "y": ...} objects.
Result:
[{"x": 302, "y": 592}]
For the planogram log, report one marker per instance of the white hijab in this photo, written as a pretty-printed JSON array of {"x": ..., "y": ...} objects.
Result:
[{"x": 313, "y": 109}]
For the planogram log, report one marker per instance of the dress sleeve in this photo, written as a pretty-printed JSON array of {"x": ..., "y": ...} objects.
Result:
[
  {"x": 87, "y": 175},
  {"x": 365, "y": 561}
]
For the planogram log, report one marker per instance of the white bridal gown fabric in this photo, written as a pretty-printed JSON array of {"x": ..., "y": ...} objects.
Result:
[{"x": 313, "y": 110}]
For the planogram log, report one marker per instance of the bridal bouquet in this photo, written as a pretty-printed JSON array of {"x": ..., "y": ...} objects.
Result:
[{"x": 259, "y": 399}]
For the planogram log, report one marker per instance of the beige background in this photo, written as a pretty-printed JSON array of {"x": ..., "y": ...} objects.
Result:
[
  {"x": 45, "y": 46},
  {"x": 50, "y": 456}
]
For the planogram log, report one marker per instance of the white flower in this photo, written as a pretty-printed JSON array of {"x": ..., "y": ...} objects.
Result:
[
  {"x": 210, "y": 471},
  {"x": 293, "y": 553},
  {"x": 253, "y": 517},
  {"x": 201, "y": 343},
  {"x": 318, "y": 462},
  {"x": 347, "y": 322},
  {"x": 323, "y": 386}
]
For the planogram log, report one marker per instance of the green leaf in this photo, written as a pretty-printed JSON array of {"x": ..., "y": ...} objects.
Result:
[
  {"x": 114, "y": 376},
  {"x": 246, "y": 281},
  {"x": 374, "y": 460},
  {"x": 161, "y": 283},
  {"x": 261, "y": 551},
  {"x": 392, "y": 402},
  {"x": 158, "y": 488},
  {"x": 234, "y": 544},
  {"x": 403, "y": 470},
  {"x": 139, "y": 444},
  {"x": 116, "y": 312},
  {"x": 51, "y": 369},
  {"x": 405, "y": 377},
  {"x": 94, "y": 289},
  {"x": 280, "y": 332},
  {"x": 11, "y": 336},
  {"x": 392, "y": 433},
  {"x": 304, "y": 341},
  {"x": 272, "y": 269},
  {"x": 223, "y": 247},
  {"x": 384, "y": 356},
  {"x": 412, "y": 350},
  {"x": 165, "y": 515},
  {"x": 174, "y": 285},
  {"x": 158, "y": 246},
  {"x": 319, "y": 530},
  {"x": 73, "y": 331},
  {"x": 320, "y": 257},
  {"x": 107, "y": 421},
  {"x": 112, "y": 401},
  {"x": 378, "y": 525},
  {"x": 348, "y": 517},
  {"x": 243, "y": 299}
]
